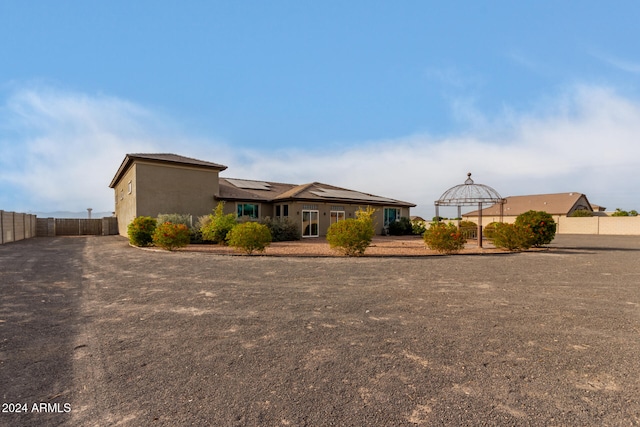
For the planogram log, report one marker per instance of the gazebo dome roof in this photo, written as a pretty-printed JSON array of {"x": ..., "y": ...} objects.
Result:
[{"x": 469, "y": 193}]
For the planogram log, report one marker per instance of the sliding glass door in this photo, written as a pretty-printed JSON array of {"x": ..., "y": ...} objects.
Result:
[{"x": 310, "y": 223}]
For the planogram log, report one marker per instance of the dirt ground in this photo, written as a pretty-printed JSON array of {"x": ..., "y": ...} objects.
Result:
[
  {"x": 381, "y": 246},
  {"x": 94, "y": 332}
]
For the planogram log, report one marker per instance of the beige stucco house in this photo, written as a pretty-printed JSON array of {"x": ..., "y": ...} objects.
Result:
[{"x": 153, "y": 184}]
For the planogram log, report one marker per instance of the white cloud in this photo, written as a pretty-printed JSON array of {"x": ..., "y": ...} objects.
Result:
[
  {"x": 621, "y": 64},
  {"x": 585, "y": 141},
  {"x": 63, "y": 149}
]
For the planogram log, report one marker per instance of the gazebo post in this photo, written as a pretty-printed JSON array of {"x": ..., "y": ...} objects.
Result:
[{"x": 480, "y": 224}]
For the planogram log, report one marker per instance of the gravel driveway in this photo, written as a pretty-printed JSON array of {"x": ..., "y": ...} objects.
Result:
[{"x": 94, "y": 332}]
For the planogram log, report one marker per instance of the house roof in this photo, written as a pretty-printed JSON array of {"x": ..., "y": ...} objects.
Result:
[
  {"x": 244, "y": 189},
  {"x": 261, "y": 191},
  {"x": 554, "y": 204},
  {"x": 236, "y": 189},
  {"x": 162, "y": 158}
]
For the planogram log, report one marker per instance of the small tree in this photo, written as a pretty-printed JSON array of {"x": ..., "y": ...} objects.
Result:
[
  {"x": 171, "y": 236},
  {"x": 444, "y": 238},
  {"x": 352, "y": 236},
  {"x": 249, "y": 237},
  {"x": 140, "y": 231},
  {"x": 216, "y": 229},
  {"x": 541, "y": 225}
]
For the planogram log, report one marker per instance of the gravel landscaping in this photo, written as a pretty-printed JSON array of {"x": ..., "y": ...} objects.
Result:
[{"x": 94, "y": 332}]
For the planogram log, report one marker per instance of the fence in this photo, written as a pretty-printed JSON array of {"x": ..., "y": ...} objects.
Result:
[
  {"x": 16, "y": 226},
  {"x": 50, "y": 227},
  {"x": 610, "y": 225}
]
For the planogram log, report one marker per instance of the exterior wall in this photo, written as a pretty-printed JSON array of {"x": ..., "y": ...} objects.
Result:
[
  {"x": 16, "y": 226},
  {"x": 612, "y": 225},
  {"x": 231, "y": 207},
  {"x": 324, "y": 212},
  {"x": 509, "y": 219},
  {"x": 125, "y": 201},
  {"x": 164, "y": 189}
]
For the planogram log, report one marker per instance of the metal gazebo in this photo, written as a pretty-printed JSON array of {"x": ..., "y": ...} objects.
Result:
[{"x": 470, "y": 194}]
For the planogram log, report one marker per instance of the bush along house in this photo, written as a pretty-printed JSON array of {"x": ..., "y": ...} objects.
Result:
[{"x": 153, "y": 184}]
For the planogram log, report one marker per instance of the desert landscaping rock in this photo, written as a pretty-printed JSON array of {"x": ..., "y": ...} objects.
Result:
[{"x": 130, "y": 337}]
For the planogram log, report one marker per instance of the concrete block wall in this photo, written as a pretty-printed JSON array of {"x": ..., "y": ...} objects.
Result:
[
  {"x": 16, "y": 226},
  {"x": 619, "y": 225},
  {"x": 579, "y": 225},
  {"x": 611, "y": 225}
]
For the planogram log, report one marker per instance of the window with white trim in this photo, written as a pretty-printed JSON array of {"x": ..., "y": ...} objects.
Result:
[
  {"x": 336, "y": 216},
  {"x": 247, "y": 209}
]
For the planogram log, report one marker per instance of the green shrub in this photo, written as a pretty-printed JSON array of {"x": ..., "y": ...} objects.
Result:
[
  {"x": 512, "y": 237},
  {"x": 418, "y": 227},
  {"x": 196, "y": 231},
  {"x": 581, "y": 213},
  {"x": 352, "y": 236},
  {"x": 401, "y": 227},
  {"x": 541, "y": 225},
  {"x": 469, "y": 229},
  {"x": 171, "y": 236},
  {"x": 175, "y": 218},
  {"x": 444, "y": 238},
  {"x": 249, "y": 237},
  {"x": 620, "y": 212},
  {"x": 195, "y": 235},
  {"x": 282, "y": 229},
  {"x": 489, "y": 230},
  {"x": 217, "y": 228},
  {"x": 140, "y": 231}
]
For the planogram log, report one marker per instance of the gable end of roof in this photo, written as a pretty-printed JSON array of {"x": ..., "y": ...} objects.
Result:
[{"x": 167, "y": 158}]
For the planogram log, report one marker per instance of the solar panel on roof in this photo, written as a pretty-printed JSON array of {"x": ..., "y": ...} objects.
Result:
[
  {"x": 249, "y": 185},
  {"x": 348, "y": 194}
]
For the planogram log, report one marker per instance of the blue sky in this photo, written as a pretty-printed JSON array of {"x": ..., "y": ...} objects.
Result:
[{"x": 396, "y": 98}]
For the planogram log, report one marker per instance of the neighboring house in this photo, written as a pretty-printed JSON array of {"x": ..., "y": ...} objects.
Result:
[
  {"x": 559, "y": 204},
  {"x": 153, "y": 184}
]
